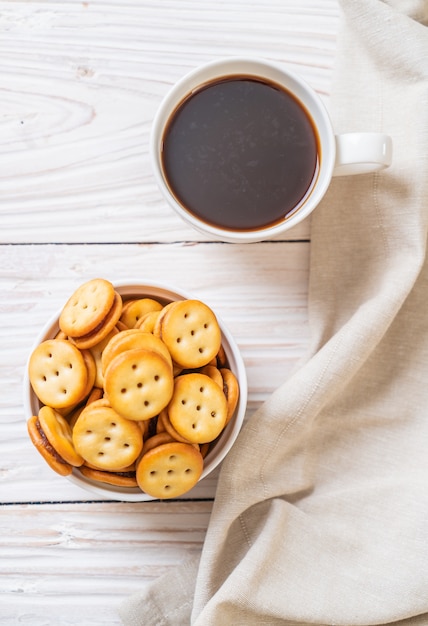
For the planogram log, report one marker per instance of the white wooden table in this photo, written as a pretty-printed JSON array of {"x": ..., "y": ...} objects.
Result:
[{"x": 79, "y": 85}]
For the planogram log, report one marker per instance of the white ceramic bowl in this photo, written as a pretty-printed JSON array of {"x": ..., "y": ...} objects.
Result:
[{"x": 167, "y": 294}]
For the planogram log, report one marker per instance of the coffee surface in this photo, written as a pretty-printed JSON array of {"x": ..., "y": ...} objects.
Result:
[{"x": 240, "y": 153}]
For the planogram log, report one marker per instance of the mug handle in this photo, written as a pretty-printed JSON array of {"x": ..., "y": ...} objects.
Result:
[{"x": 361, "y": 153}]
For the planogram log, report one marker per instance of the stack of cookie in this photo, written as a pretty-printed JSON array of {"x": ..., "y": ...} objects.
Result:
[{"x": 131, "y": 393}]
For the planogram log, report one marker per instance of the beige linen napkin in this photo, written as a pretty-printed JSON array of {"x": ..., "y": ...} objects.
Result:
[{"x": 321, "y": 513}]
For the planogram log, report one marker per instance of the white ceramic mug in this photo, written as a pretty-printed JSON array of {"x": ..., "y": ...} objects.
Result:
[{"x": 352, "y": 153}]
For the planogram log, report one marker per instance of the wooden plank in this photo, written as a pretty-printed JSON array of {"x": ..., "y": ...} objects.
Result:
[
  {"x": 73, "y": 564},
  {"x": 259, "y": 291},
  {"x": 80, "y": 86}
]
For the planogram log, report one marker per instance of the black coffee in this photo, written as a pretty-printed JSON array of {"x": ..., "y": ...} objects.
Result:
[{"x": 240, "y": 153}]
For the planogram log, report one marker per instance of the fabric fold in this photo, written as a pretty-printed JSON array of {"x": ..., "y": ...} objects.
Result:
[{"x": 321, "y": 510}]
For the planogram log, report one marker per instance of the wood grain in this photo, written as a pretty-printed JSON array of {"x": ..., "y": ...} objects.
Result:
[
  {"x": 80, "y": 84},
  {"x": 80, "y": 560}
]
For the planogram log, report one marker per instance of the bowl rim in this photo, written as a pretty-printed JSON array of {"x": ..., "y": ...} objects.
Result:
[{"x": 226, "y": 439}]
